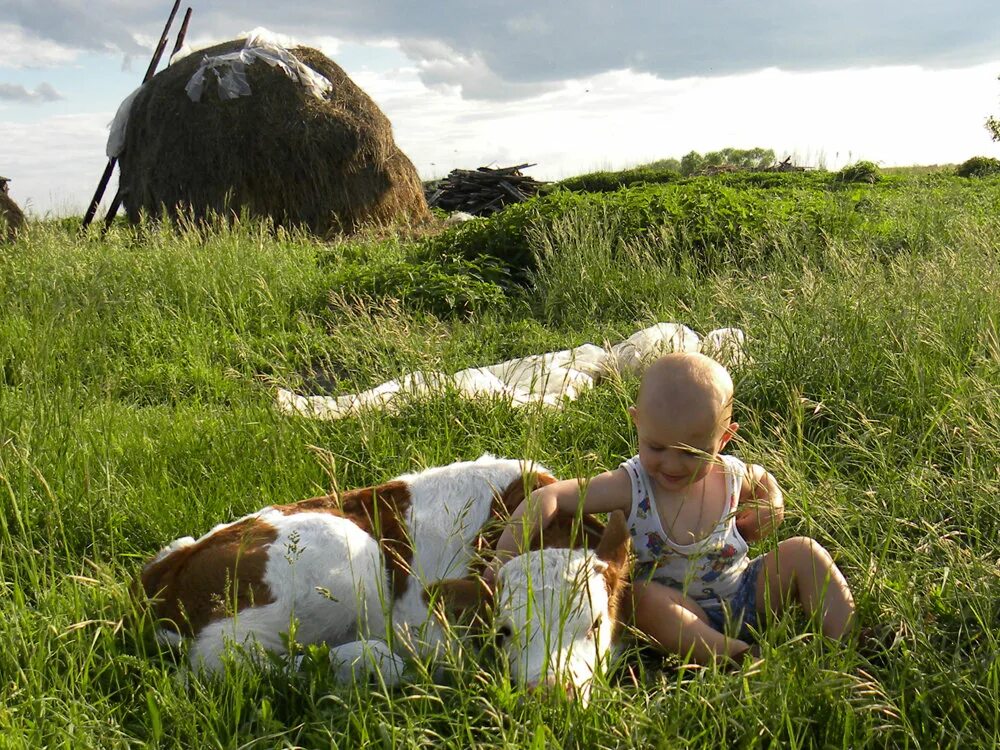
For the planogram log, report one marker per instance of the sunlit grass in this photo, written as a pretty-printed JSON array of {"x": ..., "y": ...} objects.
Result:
[{"x": 136, "y": 385}]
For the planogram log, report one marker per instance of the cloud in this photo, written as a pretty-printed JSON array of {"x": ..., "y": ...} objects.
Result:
[
  {"x": 10, "y": 92},
  {"x": 516, "y": 49},
  {"x": 55, "y": 162},
  {"x": 24, "y": 50},
  {"x": 441, "y": 66},
  {"x": 104, "y": 25}
]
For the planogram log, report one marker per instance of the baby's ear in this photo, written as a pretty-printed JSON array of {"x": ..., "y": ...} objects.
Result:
[
  {"x": 730, "y": 432},
  {"x": 634, "y": 414}
]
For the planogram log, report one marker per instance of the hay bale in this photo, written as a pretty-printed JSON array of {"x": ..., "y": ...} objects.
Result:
[
  {"x": 330, "y": 165},
  {"x": 11, "y": 215}
]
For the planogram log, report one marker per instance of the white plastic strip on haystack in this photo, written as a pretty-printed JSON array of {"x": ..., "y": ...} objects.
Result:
[
  {"x": 550, "y": 379},
  {"x": 230, "y": 70},
  {"x": 116, "y": 138}
]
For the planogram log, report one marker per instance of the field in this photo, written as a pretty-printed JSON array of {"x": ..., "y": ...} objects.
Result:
[{"x": 137, "y": 376}]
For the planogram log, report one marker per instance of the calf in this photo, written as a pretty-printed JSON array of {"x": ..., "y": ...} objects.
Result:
[
  {"x": 559, "y": 610},
  {"x": 352, "y": 570},
  {"x": 357, "y": 570}
]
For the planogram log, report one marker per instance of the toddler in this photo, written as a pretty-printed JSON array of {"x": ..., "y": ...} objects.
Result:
[{"x": 692, "y": 511}]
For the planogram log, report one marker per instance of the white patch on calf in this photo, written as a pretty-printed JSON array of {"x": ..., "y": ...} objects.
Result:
[{"x": 325, "y": 575}]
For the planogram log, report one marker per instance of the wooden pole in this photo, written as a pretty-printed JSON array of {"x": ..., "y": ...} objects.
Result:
[
  {"x": 180, "y": 35},
  {"x": 110, "y": 168},
  {"x": 116, "y": 202}
]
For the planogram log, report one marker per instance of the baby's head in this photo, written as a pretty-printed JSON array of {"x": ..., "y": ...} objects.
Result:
[{"x": 684, "y": 417}]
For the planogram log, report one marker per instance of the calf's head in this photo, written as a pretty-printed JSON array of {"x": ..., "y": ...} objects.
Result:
[{"x": 556, "y": 611}]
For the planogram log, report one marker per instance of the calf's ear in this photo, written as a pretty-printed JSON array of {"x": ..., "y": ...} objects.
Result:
[
  {"x": 460, "y": 594},
  {"x": 615, "y": 542}
]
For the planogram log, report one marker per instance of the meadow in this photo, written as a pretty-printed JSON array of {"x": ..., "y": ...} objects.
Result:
[{"x": 137, "y": 377}]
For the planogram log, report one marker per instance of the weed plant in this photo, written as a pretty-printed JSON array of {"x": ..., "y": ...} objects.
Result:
[
  {"x": 137, "y": 377},
  {"x": 978, "y": 166}
]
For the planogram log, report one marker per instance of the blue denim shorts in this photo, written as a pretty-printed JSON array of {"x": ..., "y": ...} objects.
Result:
[{"x": 738, "y": 613}]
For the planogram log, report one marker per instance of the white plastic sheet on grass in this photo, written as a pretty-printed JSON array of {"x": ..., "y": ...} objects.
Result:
[
  {"x": 230, "y": 69},
  {"x": 550, "y": 379}
]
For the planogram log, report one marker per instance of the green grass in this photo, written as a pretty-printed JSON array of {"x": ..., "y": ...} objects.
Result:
[{"x": 136, "y": 383}]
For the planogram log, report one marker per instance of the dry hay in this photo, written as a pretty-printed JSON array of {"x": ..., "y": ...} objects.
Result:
[
  {"x": 11, "y": 217},
  {"x": 330, "y": 165}
]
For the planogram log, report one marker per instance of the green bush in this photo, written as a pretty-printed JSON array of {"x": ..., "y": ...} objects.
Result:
[
  {"x": 978, "y": 166},
  {"x": 744, "y": 159},
  {"x": 607, "y": 182},
  {"x": 699, "y": 220},
  {"x": 861, "y": 171},
  {"x": 814, "y": 180}
]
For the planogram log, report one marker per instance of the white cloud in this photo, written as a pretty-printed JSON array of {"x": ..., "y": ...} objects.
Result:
[
  {"x": 103, "y": 25},
  {"x": 441, "y": 66},
  {"x": 24, "y": 50}
]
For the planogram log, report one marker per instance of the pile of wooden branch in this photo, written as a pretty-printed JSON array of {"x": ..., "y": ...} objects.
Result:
[
  {"x": 781, "y": 166},
  {"x": 785, "y": 166},
  {"x": 482, "y": 191},
  {"x": 714, "y": 169}
]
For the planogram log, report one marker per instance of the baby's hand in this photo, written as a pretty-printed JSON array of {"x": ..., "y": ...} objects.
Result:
[{"x": 492, "y": 569}]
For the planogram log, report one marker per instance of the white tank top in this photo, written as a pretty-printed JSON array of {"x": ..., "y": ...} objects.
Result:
[{"x": 708, "y": 568}]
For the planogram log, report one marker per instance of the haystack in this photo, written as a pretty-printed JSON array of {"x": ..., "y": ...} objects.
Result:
[
  {"x": 11, "y": 215},
  {"x": 328, "y": 164}
]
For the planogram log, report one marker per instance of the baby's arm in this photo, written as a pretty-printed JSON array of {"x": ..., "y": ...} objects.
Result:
[
  {"x": 762, "y": 506},
  {"x": 605, "y": 493}
]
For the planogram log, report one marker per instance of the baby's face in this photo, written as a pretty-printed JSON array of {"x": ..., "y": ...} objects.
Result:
[{"x": 678, "y": 452}]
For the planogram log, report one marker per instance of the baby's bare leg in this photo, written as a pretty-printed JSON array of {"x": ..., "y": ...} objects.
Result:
[
  {"x": 679, "y": 625},
  {"x": 802, "y": 569}
]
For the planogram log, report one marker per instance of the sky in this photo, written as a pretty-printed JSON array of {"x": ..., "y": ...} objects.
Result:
[{"x": 570, "y": 85}]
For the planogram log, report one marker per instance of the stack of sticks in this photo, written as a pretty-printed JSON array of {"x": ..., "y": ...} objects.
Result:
[
  {"x": 483, "y": 191},
  {"x": 785, "y": 166}
]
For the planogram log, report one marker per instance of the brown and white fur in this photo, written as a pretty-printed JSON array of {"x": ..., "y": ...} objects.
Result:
[{"x": 351, "y": 570}]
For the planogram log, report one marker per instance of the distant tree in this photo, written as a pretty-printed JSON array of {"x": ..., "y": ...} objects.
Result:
[
  {"x": 692, "y": 162},
  {"x": 716, "y": 158},
  {"x": 758, "y": 158},
  {"x": 740, "y": 158}
]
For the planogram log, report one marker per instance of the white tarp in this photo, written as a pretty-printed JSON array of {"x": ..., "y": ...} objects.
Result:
[
  {"x": 116, "y": 138},
  {"x": 550, "y": 379},
  {"x": 230, "y": 69}
]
